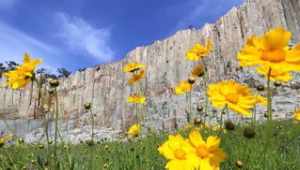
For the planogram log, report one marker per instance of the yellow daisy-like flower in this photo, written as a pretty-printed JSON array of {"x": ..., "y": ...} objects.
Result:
[
  {"x": 136, "y": 77},
  {"x": 136, "y": 99},
  {"x": 23, "y": 74},
  {"x": 209, "y": 153},
  {"x": 132, "y": 67},
  {"x": 5, "y": 138},
  {"x": 297, "y": 115},
  {"x": 235, "y": 96},
  {"x": 179, "y": 153},
  {"x": 199, "y": 51},
  {"x": 271, "y": 51},
  {"x": 183, "y": 87},
  {"x": 134, "y": 130}
]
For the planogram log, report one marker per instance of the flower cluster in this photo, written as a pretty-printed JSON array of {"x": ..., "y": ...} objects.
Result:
[
  {"x": 137, "y": 72},
  {"x": 195, "y": 54}
]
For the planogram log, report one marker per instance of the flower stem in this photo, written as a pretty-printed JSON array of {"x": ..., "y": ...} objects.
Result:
[
  {"x": 56, "y": 126},
  {"x": 93, "y": 126},
  {"x": 205, "y": 97},
  {"x": 188, "y": 111},
  {"x": 253, "y": 122},
  {"x": 224, "y": 111},
  {"x": 269, "y": 96},
  {"x": 221, "y": 120},
  {"x": 205, "y": 89},
  {"x": 190, "y": 105}
]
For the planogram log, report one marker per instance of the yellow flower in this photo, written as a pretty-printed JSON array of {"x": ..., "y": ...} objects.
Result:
[
  {"x": 134, "y": 130},
  {"x": 179, "y": 153},
  {"x": 23, "y": 73},
  {"x": 235, "y": 96},
  {"x": 208, "y": 151},
  {"x": 183, "y": 87},
  {"x": 5, "y": 138},
  {"x": 132, "y": 67},
  {"x": 136, "y": 99},
  {"x": 199, "y": 51},
  {"x": 136, "y": 77},
  {"x": 271, "y": 51},
  {"x": 297, "y": 115}
]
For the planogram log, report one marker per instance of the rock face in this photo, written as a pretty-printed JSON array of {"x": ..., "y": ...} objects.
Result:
[{"x": 106, "y": 85}]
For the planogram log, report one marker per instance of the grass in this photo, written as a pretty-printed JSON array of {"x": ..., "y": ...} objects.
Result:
[{"x": 280, "y": 152}]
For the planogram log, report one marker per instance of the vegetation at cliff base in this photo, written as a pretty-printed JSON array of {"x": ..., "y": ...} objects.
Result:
[{"x": 280, "y": 152}]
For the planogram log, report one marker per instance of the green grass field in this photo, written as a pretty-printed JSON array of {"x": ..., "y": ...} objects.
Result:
[{"x": 279, "y": 150}]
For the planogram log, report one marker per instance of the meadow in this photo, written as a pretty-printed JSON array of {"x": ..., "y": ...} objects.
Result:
[
  {"x": 280, "y": 152},
  {"x": 266, "y": 144}
]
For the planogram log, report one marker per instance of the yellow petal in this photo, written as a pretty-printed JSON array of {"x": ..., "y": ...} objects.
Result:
[
  {"x": 195, "y": 138},
  {"x": 239, "y": 110},
  {"x": 213, "y": 141},
  {"x": 192, "y": 56},
  {"x": 277, "y": 38},
  {"x": 297, "y": 115}
]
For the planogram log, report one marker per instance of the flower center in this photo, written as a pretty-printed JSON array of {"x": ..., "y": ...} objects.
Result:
[
  {"x": 179, "y": 154},
  {"x": 273, "y": 55},
  {"x": 202, "y": 152},
  {"x": 232, "y": 97}
]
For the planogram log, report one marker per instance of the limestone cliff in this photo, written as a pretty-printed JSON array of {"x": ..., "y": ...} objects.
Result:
[{"x": 105, "y": 85}]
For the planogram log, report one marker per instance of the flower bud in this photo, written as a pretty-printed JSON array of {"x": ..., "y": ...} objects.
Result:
[
  {"x": 277, "y": 84},
  {"x": 199, "y": 108},
  {"x": 54, "y": 83},
  {"x": 191, "y": 80},
  {"x": 197, "y": 121},
  {"x": 239, "y": 164},
  {"x": 88, "y": 106},
  {"x": 249, "y": 132},
  {"x": 260, "y": 88},
  {"x": 229, "y": 125}
]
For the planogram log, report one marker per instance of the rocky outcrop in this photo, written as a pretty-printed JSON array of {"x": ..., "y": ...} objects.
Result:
[{"x": 106, "y": 87}]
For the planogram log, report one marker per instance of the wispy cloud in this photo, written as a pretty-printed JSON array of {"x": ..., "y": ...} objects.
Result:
[
  {"x": 7, "y": 4},
  {"x": 85, "y": 38},
  {"x": 14, "y": 43}
]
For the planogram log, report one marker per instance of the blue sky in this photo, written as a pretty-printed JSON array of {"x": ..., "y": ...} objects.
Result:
[{"x": 82, "y": 33}]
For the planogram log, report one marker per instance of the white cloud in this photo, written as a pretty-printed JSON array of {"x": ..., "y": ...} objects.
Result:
[
  {"x": 14, "y": 43},
  {"x": 7, "y": 4},
  {"x": 83, "y": 37}
]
